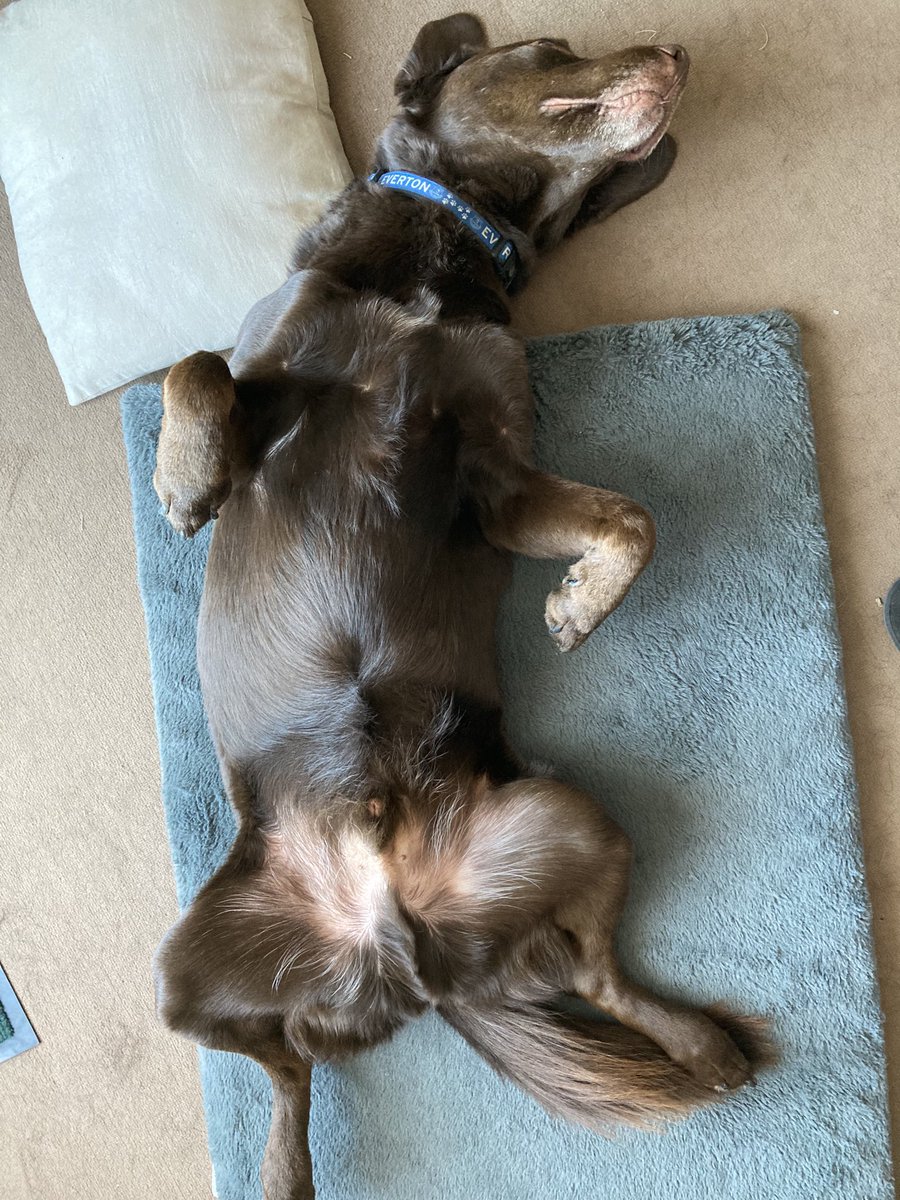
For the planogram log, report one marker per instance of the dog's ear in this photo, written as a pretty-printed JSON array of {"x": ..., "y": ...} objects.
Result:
[{"x": 440, "y": 47}]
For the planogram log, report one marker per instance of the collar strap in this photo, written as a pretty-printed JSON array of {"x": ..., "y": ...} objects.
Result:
[{"x": 501, "y": 250}]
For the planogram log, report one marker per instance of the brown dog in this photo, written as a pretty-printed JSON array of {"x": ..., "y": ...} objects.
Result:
[{"x": 370, "y": 449}]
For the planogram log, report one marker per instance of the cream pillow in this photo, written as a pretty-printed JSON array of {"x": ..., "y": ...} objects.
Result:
[{"x": 160, "y": 158}]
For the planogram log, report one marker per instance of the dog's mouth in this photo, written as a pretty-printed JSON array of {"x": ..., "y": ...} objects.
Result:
[{"x": 648, "y": 145}]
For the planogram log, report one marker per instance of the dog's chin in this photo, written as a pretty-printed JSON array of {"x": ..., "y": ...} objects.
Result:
[
  {"x": 665, "y": 108},
  {"x": 645, "y": 148}
]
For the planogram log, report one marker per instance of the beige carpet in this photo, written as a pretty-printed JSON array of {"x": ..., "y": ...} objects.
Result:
[{"x": 784, "y": 195}]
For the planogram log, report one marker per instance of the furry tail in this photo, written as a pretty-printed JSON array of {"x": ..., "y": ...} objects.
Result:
[{"x": 594, "y": 1073}]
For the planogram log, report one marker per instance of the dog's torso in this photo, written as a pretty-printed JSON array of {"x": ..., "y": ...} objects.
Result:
[
  {"x": 354, "y": 539},
  {"x": 346, "y": 640}
]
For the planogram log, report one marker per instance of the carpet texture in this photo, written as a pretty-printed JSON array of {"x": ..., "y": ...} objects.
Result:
[{"x": 707, "y": 714}]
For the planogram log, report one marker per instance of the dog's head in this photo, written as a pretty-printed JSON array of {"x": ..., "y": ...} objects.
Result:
[{"x": 538, "y": 105}]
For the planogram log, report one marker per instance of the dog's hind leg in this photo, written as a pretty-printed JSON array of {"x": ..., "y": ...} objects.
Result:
[
  {"x": 689, "y": 1037},
  {"x": 214, "y": 982},
  {"x": 286, "y": 1170},
  {"x": 515, "y": 898},
  {"x": 542, "y": 516},
  {"x": 546, "y": 838},
  {"x": 197, "y": 441},
  {"x": 292, "y": 953}
]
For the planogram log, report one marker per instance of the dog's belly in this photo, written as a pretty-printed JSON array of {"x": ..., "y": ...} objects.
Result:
[
  {"x": 310, "y": 638},
  {"x": 348, "y": 575}
]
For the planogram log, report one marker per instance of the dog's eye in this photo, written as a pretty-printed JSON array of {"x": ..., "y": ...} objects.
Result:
[{"x": 559, "y": 42}]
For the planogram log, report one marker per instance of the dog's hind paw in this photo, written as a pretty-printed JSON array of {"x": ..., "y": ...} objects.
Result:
[{"x": 717, "y": 1062}]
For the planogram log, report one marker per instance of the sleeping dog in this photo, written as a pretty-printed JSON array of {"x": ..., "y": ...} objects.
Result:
[{"x": 368, "y": 453}]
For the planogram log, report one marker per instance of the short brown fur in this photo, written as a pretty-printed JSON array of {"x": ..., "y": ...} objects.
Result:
[{"x": 370, "y": 452}]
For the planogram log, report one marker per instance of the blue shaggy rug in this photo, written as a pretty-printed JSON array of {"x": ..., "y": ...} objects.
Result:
[{"x": 707, "y": 714}]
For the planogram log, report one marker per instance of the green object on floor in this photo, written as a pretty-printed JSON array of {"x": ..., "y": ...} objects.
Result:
[
  {"x": 6, "y": 1025},
  {"x": 16, "y": 1031}
]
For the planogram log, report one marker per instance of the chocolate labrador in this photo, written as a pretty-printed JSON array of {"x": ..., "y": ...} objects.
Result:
[{"x": 369, "y": 456}]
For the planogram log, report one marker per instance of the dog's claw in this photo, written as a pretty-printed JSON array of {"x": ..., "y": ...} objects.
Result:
[{"x": 187, "y": 514}]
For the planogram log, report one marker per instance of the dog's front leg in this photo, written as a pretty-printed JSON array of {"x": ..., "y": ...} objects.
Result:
[
  {"x": 194, "y": 458},
  {"x": 612, "y": 537}
]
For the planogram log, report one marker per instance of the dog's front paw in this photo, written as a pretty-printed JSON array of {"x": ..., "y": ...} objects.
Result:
[
  {"x": 597, "y": 583},
  {"x": 192, "y": 477},
  {"x": 189, "y": 513},
  {"x": 195, "y": 454},
  {"x": 573, "y": 613},
  {"x": 587, "y": 596}
]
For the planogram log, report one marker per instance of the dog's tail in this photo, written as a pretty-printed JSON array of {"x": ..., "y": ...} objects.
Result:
[{"x": 596, "y": 1074}]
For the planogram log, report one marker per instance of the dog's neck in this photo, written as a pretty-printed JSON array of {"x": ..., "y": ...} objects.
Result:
[
  {"x": 507, "y": 195},
  {"x": 501, "y": 249},
  {"x": 375, "y": 239}
]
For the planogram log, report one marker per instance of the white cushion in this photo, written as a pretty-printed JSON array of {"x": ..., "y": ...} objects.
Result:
[{"x": 160, "y": 158}]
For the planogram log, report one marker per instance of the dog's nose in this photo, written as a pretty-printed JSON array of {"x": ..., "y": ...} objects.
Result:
[{"x": 677, "y": 52}]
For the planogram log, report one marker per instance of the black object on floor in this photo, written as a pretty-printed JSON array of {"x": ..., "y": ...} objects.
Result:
[{"x": 892, "y": 612}]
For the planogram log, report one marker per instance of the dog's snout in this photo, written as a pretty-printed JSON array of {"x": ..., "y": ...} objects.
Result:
[{"x": 677, "y": 52}]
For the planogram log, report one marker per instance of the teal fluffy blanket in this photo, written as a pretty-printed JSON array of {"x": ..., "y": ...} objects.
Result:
[{"x": 707, "y": 714}]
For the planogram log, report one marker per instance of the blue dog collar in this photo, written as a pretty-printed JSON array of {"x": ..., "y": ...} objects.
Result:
[{"x": 503, "y": 252}]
